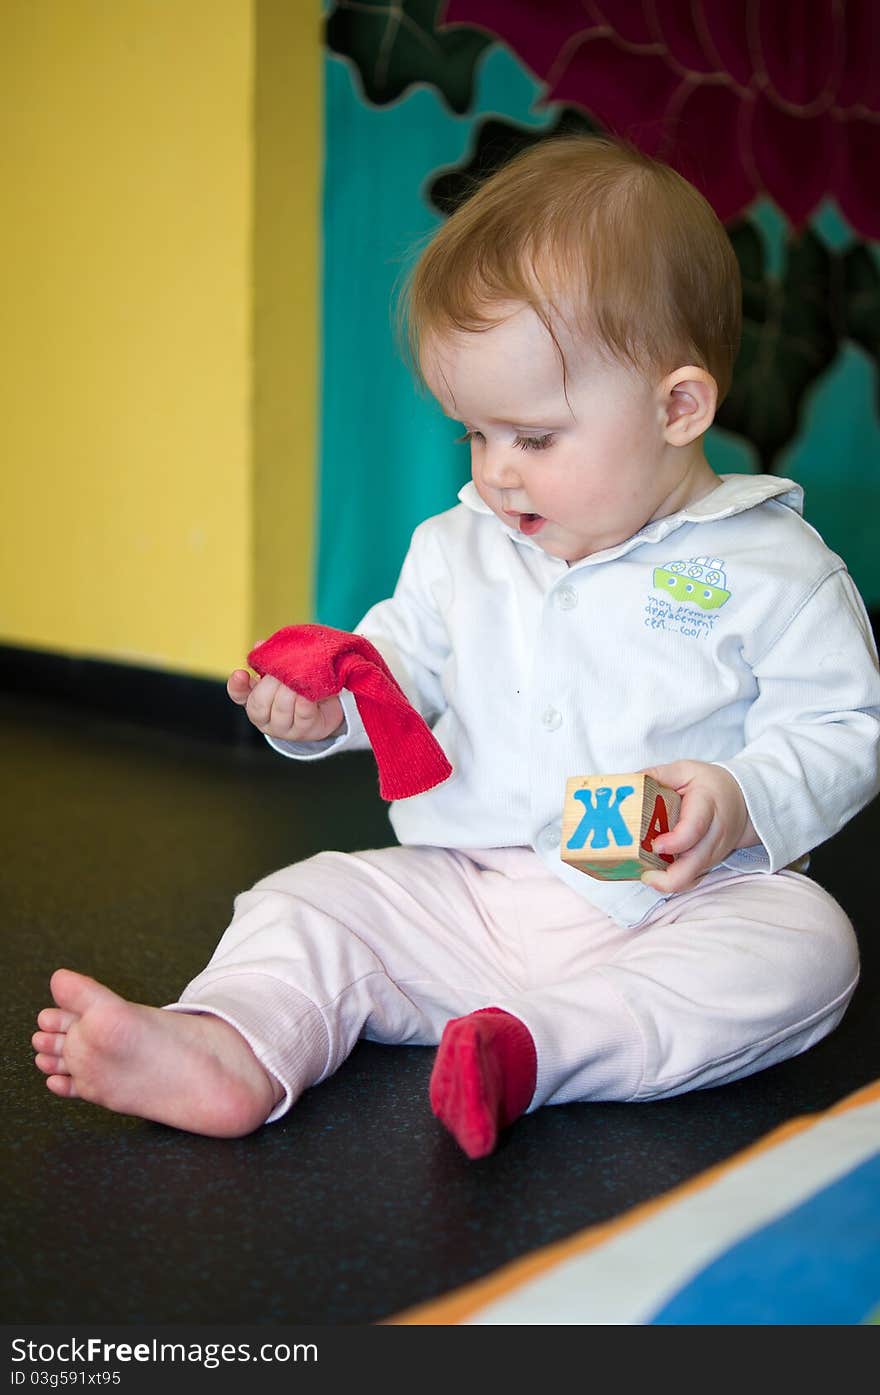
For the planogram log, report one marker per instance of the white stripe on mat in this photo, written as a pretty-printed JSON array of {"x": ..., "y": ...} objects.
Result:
[{"x": 628, "y": 1278}]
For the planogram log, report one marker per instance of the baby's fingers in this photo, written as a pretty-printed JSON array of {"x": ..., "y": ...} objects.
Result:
[
  {"x": 283, "y": 709},
  {"x": 292, "y": 717},
  {"x": 694, "y": 823},
  {"x": 682, "y": 873},
  {"x": 261, "y": 700},
  {"x": 239, "y": 686},
  {"x": 307, "y": 714}
]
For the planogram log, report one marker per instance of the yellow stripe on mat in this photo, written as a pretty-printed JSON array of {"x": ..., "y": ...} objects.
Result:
[{"x": 463, "y": 1302}]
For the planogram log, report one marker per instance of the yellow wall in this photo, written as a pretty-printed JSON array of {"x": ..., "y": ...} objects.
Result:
[
  {"x": 286, "y": 289},
  {"x": 133, "y": 420}
]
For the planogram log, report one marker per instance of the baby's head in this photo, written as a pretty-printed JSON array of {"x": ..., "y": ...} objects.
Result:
[
  {"x": 620, "y": 246},
  {"x": 583, "y": 303}
]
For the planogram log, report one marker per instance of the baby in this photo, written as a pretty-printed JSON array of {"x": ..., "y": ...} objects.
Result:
[{"x": 598, "y": 600}]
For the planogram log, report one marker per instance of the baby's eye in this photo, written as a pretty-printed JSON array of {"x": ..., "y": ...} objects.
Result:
[
  {"x": 522, "y": 442},
  {"x": 533, "y": 442}
]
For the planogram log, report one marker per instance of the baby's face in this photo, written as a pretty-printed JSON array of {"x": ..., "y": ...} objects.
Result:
[{"x": 575, "y": 479}]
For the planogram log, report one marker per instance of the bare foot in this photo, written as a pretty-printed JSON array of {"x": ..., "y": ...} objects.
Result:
[{"x": 195, "y": 1072}]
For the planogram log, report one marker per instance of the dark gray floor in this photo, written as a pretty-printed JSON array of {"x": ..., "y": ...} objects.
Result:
[{"x": 122, "y": 850}]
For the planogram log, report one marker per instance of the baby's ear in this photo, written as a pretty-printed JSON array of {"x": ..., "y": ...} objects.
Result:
[{"x": 690, "y": 397}]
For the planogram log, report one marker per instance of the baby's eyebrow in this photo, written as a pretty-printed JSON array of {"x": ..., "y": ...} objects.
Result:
[
  {"x": 518, "y": 425},
  {"x": 526, "y": 425}
]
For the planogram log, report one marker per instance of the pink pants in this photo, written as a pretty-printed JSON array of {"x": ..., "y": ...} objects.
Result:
[{"x": 741, "y": 972}]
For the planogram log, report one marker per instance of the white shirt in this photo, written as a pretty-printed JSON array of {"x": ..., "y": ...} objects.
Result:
[{"x": 726, "y": 632}]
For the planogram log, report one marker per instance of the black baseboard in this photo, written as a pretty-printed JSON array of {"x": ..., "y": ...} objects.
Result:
[{"x": 174, "y": 702}]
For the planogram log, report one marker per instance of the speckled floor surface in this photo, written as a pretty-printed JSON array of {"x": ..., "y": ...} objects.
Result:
[{"x": 122, "y": 848}]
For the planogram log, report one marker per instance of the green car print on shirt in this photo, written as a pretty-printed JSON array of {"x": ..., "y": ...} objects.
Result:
[{"x": 699, "y": 579}]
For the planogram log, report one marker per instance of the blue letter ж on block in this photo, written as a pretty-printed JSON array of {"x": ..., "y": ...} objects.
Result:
[{"x": 602, "y": 818}]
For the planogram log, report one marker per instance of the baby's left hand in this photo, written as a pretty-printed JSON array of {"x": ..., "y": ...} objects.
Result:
[{"x": 713, "y": 821}]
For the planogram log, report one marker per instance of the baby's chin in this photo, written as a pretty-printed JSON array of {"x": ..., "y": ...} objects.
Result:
[
  {"x": 556, "y": 543},
  {"x": 575, "y": 545}
]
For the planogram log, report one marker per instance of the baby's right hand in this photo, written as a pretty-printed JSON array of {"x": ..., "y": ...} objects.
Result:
[{"x": 279, "y": 712}]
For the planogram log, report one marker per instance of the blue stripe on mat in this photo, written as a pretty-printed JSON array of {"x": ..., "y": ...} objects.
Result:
[{"x": 819, "y": 1264}]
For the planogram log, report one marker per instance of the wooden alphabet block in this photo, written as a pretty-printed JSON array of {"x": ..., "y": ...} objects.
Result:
[{"x": 609, "y": 824}]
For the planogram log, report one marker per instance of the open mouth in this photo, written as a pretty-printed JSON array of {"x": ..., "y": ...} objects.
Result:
[{"x": 527, "y": 523}]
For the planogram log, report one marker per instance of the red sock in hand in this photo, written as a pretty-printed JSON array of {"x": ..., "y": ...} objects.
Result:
[
  {"x": 318, "y": 661},
  {"x": 483, "y": 1078}
]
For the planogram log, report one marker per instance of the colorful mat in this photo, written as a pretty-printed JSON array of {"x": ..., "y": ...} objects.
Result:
[{"x": 786, "y": 1232}]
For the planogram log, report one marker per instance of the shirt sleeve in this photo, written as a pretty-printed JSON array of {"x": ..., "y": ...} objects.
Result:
[
  {"x": 409, "y": 629},
  {"x": 812, "y": 754},
  {"x": 410, "y": 633}
]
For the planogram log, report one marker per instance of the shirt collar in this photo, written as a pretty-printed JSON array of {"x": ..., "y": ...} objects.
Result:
[{"x": 734, "y": 494}]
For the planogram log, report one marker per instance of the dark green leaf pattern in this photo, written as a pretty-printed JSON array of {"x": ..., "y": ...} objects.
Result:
[
  {"x": 860, "y": 302},
  {"x": 789, "y": 339},
  {"x": 496, "y": 142},
  {"x": 394, "y": 46}
]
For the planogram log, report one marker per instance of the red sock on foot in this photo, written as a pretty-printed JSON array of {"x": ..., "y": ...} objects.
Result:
[{"x": 483, "y": 1077}]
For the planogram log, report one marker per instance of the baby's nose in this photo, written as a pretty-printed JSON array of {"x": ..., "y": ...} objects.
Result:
[{"x": 500, "y": 469}]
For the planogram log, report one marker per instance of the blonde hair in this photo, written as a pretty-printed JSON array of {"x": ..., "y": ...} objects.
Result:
[{"x": 620, "y": 245}]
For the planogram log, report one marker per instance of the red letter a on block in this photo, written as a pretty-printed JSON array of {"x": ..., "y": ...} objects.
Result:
[{"x": 657, "y": 824}]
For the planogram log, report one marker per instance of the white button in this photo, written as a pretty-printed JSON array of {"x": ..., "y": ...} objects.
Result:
[
  {"x": 566, "y": 598},
  {"x": 550, "y": 836},
  {"x": 552, "y": 719}
]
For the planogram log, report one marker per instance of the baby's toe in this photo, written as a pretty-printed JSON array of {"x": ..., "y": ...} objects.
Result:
[
  {"x": 49, "y": 1043},
  {"x": 50, "y": 1064},
  {"x": 55, "y": 1019},
  {"x": 62, "y": 1085}
]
